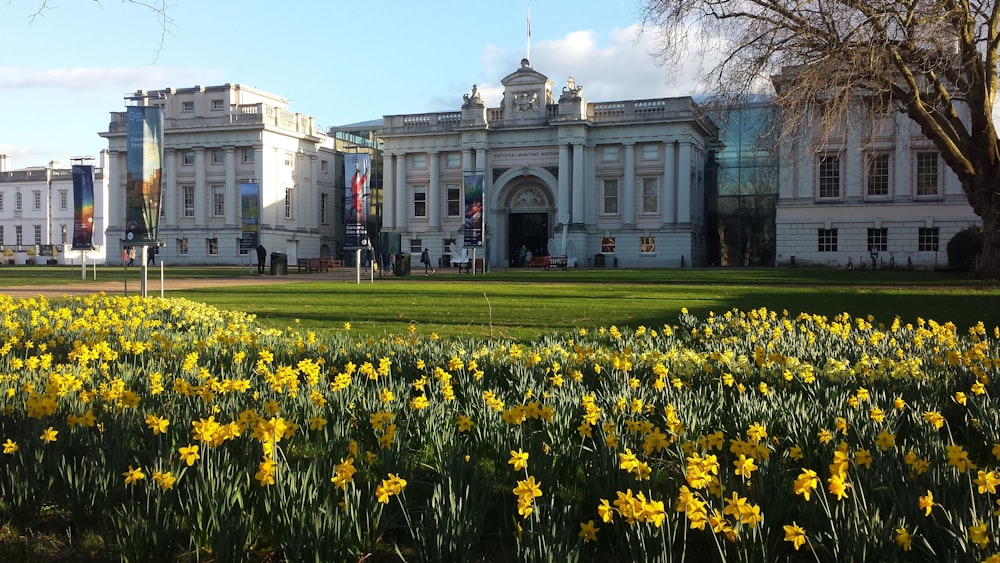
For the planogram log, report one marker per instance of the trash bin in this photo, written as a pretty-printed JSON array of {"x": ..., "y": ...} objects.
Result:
[
  {"x": 598, "y": 260},
  {"x": 402, "y": 264},
  {"x": 279, "y": 263}
]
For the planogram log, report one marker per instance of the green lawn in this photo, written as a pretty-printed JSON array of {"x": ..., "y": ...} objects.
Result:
[{"x": 526, "y": 304}]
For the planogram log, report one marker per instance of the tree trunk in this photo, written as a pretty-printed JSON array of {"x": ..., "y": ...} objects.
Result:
[{"x": 988, "y": 266}]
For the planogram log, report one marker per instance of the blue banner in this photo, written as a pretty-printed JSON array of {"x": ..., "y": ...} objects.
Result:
[
  {"x": 83, "y": 207},
  {"x": 473, "y": 210},
  {"x": 144, "y": 174},
  {"x": 250, "y": 204}
]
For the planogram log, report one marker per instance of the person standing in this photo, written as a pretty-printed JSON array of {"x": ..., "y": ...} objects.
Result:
[
  {"x": 425, "y": 259},
  {"x": 261, "y": 257}
]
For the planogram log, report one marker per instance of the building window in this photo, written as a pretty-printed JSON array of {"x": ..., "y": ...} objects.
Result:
[
  {"x": 213, "y": 246},
  {"x": 647, "y": 245},
  {"x": 454, "y": 201},
  {"x": 248, "y": 155},
  {"x": 1, "y": 235},
  {"x": 36, "y": 197},
  {"x": 927, "y": 174},
  {"x": 324, "y": 201},
  {"x": 182, "y": 246},
  {"x": 18, "y": 204},
  {"x": 829, "y": 177},
  {"x": 188, "y": 158},
  {"x": 18, "y": 235},
  {"x": 416, "y": 245},
  {"x": 217, "y": 105},
  {"x": 38, "y": 234},
  {"x": 324, "y": 166},
  {"x": 187, "y": 106},
  {"x": 1, "y": 201},
  {"x": 63, "y": 200},
  {"x": 650, "y": 196},
  {"x": 878, "y": 175},
  {"x": 610, "y": 197},
  {"x": 453, "y": 160},
  {"x": 607, "y": 245},
  {"x": 878, "y": 239},
  {"x": 419, "y": 202},
  {"x": 217, "y": 156},
  {"x": 610, "y": 154},
  {"x": 289, "y": 194},
  {"x": 927, "y": 239},
  {"x": 288, "y": 159},
  {"x": 827, "y": 240},
  {"x": 63, "y": 233},
  {"x": 187, "y": 193},
  {"x": 218, "y": 201},
  {"x": 419, "y": 161},
  {"x": 650, "y": 151}
]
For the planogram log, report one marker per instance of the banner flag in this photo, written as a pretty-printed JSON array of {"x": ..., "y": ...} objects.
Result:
[
  {"x": 357, "y": 200},
  {"x": 83, "y": 207},
  {"x": 250, "y": 204},
  {"x": 473, "y": 210},
  {"x": 144, "y": 173}
]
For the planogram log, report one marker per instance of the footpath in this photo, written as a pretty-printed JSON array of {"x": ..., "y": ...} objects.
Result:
[{"x": 153, "y": 288}]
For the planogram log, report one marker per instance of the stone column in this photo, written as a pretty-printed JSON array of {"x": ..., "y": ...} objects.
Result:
[
  {"x": 670, "y": 183},
  {"x": 562, "y": 198},
  {"x": 170, "y": 188},
  {"x": 401, "y": 192},
  {"x": 116, "y": 192},
  {"x": 388, "y": 192},
  {"x": 200, "y": 198},
  {"x": 578, "y": 180},
  {"x": 628, "y": 187},
  {"x": 684, "y": 183},
  {"x": 434, "y": 193},
  {"x": 233, "y": 203}
]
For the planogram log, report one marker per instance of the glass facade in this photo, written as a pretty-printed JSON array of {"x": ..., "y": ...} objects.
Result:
[{"x": 741, "y": 215}]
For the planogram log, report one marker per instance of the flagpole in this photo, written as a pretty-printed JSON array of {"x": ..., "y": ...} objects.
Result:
[{"x": 527, "y": 53}]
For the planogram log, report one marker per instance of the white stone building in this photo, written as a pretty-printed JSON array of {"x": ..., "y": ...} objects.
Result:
[
  {"x": 37, "y": 213},
  {"x": 626, "y": 179},
  {"x": 215, "y": 138},
  {"x": 880, "y": 186}
]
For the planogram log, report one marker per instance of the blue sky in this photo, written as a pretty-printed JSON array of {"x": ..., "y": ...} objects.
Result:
[{"x": 341, "y": 62}]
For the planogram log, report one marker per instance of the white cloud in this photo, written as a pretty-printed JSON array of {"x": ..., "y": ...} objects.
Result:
[
  {"x": 99, "y": 79},
  {"x": 624, "y": 69}
]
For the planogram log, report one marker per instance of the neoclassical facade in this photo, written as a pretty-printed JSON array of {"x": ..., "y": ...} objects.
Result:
[
  {"x": 624, "y": 180},
  {"x": 216, "y": 138},
  {"x": 37, "y": 212},
  {"x": 869, "y": 188}
]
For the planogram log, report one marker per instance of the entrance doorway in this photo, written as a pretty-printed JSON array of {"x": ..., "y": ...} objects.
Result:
[{"x": 530, "y": 230}]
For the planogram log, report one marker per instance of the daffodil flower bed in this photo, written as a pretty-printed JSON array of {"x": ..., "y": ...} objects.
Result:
[{"x": 182, "y": 432}]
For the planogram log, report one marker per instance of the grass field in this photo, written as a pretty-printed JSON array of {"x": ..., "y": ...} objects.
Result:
[{"x": 523, "y": 304}]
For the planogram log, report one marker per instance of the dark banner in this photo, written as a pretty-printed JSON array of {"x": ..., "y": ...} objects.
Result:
[
  {"x": 250, "y": 204},
  {"x": 357, "y": 200},
  {"x": 142, "y": 188},
  {"x": 473, "y": 210},
  {"x": 83, "y": 207}
]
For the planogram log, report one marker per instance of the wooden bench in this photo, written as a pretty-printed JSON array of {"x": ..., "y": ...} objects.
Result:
[
  {"x": 539, "y": 262},
  {"x": 308, "y": 264},
  {"x": 324, "y": 264}
]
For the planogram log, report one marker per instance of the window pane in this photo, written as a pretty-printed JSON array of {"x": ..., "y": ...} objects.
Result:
[
  {"x": 878, "y": 175},
  {"x": 927, "y": 173},
  {"x": 829, "y": 176}
]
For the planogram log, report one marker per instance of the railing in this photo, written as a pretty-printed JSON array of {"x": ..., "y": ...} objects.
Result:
[{"x": 242, "y": 114}]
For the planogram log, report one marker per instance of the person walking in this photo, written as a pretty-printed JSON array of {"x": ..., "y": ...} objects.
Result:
[
  {"x": 261, "y": 257},
  {"x": 425, "y": 259}
]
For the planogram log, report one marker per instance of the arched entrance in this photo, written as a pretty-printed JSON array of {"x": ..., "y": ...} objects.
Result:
[{"x": 528, "y": 219}]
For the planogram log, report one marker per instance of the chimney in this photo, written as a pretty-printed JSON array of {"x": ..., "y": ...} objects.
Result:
[{"x": 3, "y": 163}]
